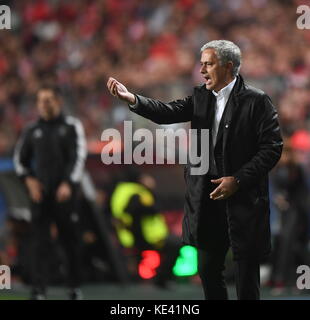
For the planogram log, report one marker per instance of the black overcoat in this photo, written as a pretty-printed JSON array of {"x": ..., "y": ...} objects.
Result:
[{"x": 252, "y": 145}]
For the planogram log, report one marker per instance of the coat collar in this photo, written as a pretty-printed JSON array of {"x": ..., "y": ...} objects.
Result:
[
  {"x": 225, "y": 92},
  {"x": 57, "y": 119}
]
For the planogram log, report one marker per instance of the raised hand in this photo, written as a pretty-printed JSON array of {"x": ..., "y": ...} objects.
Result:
[{"x": 117, "y": 89}]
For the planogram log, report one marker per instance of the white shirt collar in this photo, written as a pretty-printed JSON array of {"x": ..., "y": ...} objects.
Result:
[{"x": 225, "y": 92}]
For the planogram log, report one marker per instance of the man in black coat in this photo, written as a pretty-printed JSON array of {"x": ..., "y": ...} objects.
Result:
[
  {"x": 229, "y": 205},
  {"x": 49, "y": 157}
]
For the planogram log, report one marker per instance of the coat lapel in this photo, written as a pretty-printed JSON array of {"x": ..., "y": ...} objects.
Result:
[
  {"x": 231, "y": 111},
  {"x": 204, "y": 112},
  {"x": 226, "y": 120},
  {"x": 202, "y": 116},
  {"x": 224, "y": 123}
]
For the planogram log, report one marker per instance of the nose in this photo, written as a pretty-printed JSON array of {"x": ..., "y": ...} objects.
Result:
[{"x": 203, "y": 69}]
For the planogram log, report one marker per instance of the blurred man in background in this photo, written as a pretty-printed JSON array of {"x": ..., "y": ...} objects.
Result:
[
  {"x": 50, "y": 157},
  {"x": 292, "y": 203},
  {"x": 228, "y": 206}
]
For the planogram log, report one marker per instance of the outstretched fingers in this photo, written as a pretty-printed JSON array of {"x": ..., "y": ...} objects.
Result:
[
  {"x": 218, "y": 193},
  {"x": 112, "y": 86}
]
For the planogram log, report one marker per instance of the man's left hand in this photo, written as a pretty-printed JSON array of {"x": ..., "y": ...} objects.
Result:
[
  {"x": 227, "y": 187},
  {"x": 63, "y": 192}
]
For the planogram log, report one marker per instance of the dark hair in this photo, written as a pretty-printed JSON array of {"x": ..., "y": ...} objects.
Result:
[{"x": 52, "y": 88}]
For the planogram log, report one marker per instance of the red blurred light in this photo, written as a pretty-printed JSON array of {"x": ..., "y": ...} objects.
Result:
[{"x": 149, "y": 263}]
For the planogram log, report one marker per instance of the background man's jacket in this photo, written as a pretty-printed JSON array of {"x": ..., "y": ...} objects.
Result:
[
  {"x": 52, "y": 151},
  {"x": 252, "y": 145}
]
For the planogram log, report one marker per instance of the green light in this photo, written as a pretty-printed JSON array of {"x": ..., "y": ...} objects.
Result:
[{"x": 186, "y": 264}]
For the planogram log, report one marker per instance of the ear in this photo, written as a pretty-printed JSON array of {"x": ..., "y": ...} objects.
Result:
[{"x": 230, "y": 66}]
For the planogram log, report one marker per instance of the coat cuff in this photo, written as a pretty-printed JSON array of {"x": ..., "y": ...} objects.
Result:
[
  {"x": 140, "y": 101},
  {"x": 25, "y": 175},
  {"x": 239, "y": 179},
  {"x": 70, "y": 182},
  {"x": 135, "y": 105}
]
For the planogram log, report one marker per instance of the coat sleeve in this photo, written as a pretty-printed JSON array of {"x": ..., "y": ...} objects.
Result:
[
  {"x": 269, "y": 143},
  {"x": 77, "y": 151},
  {"x": 23, "y": 154},
  {"x": 164, "y": 113}
]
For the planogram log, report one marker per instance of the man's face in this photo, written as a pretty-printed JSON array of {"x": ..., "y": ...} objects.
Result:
[
  {"x": 216, "y": 75},
  {"x": 48, "y": 104}
]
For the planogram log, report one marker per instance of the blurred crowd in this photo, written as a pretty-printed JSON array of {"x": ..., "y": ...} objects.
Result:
[{"x": 153, "y": 47}]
